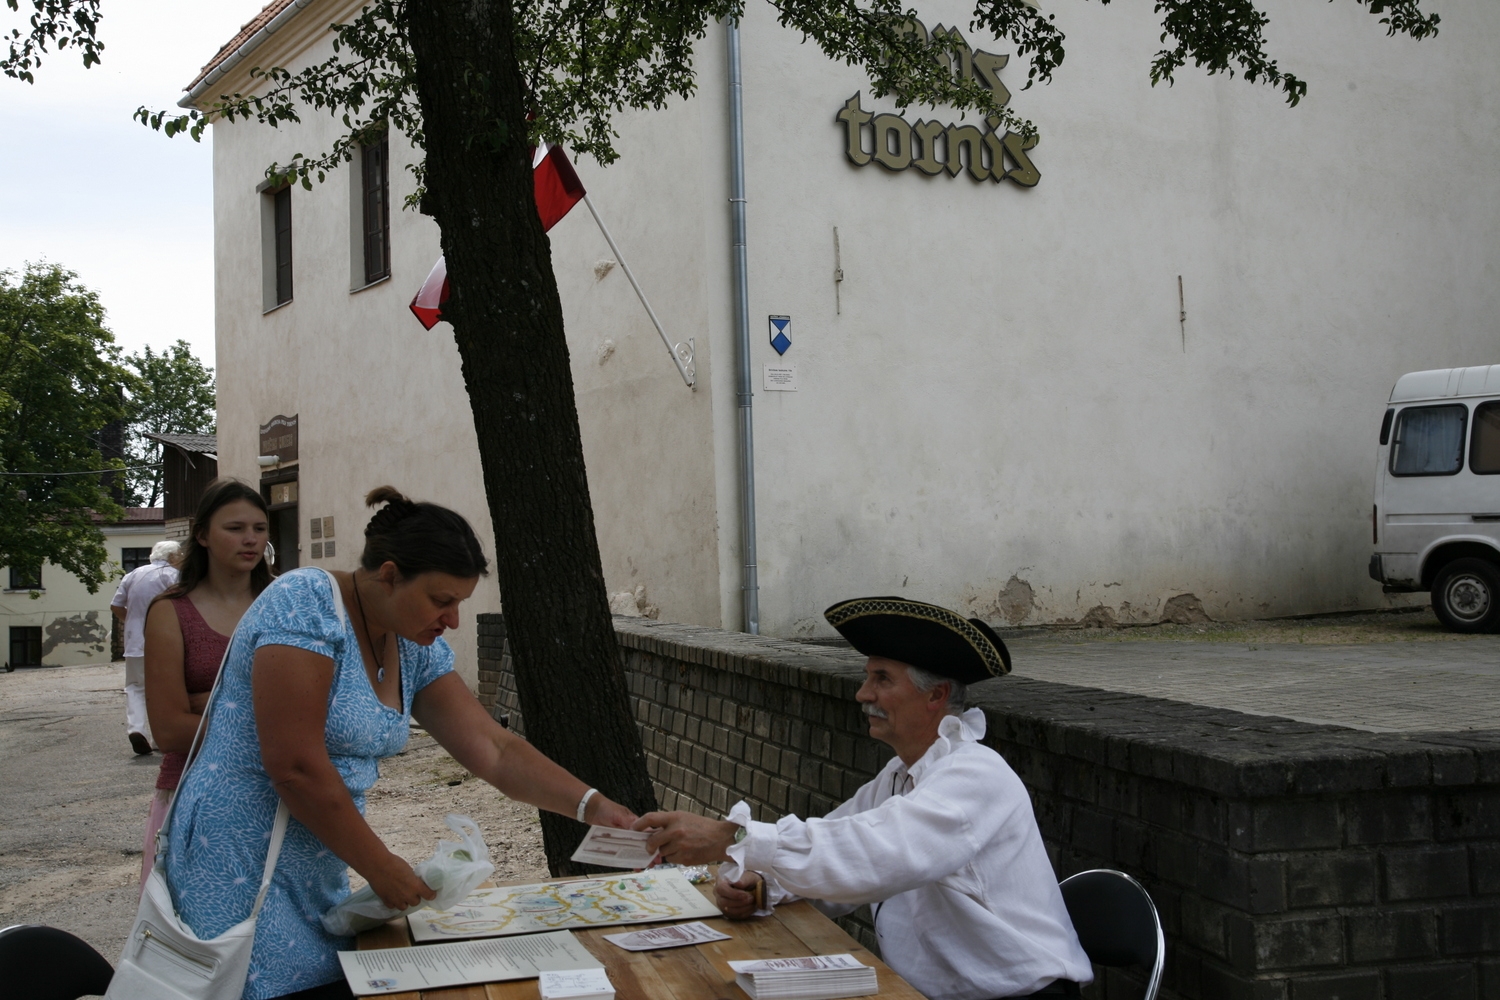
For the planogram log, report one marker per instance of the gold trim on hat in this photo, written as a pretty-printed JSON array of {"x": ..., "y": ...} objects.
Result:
[{"x": 862, "y": 607}]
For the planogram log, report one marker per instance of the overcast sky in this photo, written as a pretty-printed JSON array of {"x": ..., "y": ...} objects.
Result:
[{"x": 83, "y": 185}]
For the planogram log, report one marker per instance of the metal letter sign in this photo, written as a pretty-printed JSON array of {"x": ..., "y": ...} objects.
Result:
[{"x": 779, "y": 338}]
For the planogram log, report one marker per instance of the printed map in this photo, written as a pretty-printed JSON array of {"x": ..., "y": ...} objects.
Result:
[{"x": 637, "y": 898}]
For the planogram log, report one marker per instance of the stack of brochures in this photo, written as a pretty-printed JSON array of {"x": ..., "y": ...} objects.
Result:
[
  {"x": 816, "y": 977},
  {"x": 579, "y": 984}
]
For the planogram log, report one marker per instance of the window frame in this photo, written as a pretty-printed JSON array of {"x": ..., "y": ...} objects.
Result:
[
  {"x": 1473, "y": 432},
  {"x": 281, "y": 238},
  {"x": 375, "y": 210},
  {"x": 18, "y": 582},
  {"x": 33, "y": 634},
  {"x": 142, "y": 557},
  {"x": 1399, "y": 425}
]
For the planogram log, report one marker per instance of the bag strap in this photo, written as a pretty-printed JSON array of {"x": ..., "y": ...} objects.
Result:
[
  {"x": 338, "y": 597},
  {"x": 166, "y": 820},
  {"x": 278, "y": 827}
]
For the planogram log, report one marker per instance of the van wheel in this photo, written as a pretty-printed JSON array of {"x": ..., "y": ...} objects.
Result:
[{"x": 1466, "y": 596}]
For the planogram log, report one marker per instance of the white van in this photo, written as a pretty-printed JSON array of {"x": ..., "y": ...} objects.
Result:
[{"x": 1436, "y": 520}]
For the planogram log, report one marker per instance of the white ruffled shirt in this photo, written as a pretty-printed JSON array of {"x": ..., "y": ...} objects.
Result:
[{"x": 969, "y": 905}]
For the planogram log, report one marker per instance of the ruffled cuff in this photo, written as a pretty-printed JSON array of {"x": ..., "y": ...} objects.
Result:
[{"x": 753, "y": 854}]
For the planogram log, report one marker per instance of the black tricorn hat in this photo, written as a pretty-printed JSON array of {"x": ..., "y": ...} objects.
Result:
[{"x": 925, "y": 636}]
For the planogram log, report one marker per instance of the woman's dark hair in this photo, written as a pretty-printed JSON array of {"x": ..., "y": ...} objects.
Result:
[
  {"x": 420, "y": 538},
  {"x": 194, "y": 567}
]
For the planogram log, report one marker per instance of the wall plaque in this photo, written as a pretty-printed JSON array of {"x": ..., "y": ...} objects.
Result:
[{"x": 278, "y": 437}]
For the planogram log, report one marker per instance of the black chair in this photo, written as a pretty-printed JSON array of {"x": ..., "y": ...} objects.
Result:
[
  {"x": 44, "y": 963},
  {"x": 1116, "y": 922}
]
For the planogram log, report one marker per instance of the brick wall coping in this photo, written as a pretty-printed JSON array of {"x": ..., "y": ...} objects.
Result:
[{"x": 1223, "y": 752}]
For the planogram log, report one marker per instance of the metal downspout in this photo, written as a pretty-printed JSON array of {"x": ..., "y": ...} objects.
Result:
[{"x": 749, "y": 585}]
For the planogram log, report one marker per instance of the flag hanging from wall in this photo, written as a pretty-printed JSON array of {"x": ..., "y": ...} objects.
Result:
[{"x": 557, "y": 189}]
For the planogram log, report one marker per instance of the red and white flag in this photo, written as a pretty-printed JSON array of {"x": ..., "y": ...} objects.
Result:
[{"x": 557, "y": 189}]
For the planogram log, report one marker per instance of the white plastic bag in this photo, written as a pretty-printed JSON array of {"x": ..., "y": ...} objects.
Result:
[{"x": 454, "y": 870}]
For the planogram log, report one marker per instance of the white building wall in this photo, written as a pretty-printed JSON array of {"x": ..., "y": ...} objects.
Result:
[
  {"x": 1006, "y": 416},
  {"x": 75, "y": 624},
  {"x": 1006, "y": 403}
]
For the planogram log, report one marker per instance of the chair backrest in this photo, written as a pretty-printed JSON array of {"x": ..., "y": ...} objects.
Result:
[
  {"x": 44, "y": 963},
  {"x": 1116, "y": 921}
]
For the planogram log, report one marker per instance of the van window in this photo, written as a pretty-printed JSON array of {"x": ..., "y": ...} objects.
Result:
[
  {"x": 1484, "y": 450},
  {"x": 1429, "y": 441}
]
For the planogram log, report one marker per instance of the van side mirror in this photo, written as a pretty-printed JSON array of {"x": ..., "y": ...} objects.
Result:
[{"x": 1385, "y": 427}]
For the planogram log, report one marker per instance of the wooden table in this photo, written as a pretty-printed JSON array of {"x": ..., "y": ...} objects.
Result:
[{"x": 696, "y": 972}]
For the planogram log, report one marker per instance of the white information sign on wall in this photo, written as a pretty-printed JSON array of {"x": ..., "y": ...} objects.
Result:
[{"x": 781, "y": 378}]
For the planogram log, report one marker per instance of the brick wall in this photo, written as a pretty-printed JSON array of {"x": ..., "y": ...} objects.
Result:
[{"x": 1289, "y": 861}]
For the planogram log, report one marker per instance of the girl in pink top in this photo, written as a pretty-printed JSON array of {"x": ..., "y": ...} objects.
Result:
[{"x": 188, "y": 627}]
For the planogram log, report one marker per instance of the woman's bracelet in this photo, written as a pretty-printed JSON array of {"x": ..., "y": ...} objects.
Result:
[{"x": 583, "y": 803}]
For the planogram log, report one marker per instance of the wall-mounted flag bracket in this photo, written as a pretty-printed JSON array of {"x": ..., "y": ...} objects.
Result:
[{"x": 682, "y": 353}]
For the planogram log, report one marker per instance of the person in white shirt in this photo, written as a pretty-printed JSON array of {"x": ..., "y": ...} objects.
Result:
[
  {"x": 132, "y": 598},
  {"x": 942, "y": 843}
]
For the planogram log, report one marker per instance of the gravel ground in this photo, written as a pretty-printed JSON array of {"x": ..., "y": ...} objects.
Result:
[{"x": 73, "y": 814}]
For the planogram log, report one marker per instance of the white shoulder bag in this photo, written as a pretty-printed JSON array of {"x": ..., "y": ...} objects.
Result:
[{"x": 163, "y": 959}]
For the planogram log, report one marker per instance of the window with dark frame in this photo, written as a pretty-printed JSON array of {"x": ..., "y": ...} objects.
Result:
[
  {"x": 26, "y": 578},
  {"x": 283, "y": 226},
  {"x": 376, "y": 200},
  {"x": 1484, "y": 449},
  {"x": 1429, "y": 440},
  {"x": 134, "y": 559},
  {"x": 25, "y": 645}
]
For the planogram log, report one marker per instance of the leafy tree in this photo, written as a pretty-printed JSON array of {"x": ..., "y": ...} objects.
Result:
[
  {"x": 60, "y": 385},
  {"x": 173, "y": 394},
  {"x": 475, "y": 83}
]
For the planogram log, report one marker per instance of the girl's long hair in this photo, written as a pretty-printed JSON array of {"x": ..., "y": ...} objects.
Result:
[{"x": 194, "y": 569}]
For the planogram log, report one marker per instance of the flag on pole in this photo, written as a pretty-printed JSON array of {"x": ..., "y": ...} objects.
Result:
[{"x": 557, "y": 189}]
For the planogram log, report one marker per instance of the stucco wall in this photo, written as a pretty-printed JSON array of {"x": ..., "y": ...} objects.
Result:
[
  {"x": 1006, "y": 415},
  {"x": 1008, "y": 393},
  {"x": 75, "y": 624}
]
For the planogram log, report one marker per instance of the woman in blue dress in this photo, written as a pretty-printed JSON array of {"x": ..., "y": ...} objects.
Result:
[{"x": 310, "y": 702}]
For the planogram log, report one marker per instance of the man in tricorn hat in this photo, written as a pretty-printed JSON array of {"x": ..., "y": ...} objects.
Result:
[{"x": 942, "y": 843}]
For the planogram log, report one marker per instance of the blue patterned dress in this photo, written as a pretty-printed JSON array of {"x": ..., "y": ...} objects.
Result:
[{"x": 221, "y": 823}]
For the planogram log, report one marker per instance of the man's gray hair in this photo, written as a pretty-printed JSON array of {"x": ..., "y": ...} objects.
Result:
[
  {"x": 164, "y": 551},
  {"x": 924, "y": 682}
]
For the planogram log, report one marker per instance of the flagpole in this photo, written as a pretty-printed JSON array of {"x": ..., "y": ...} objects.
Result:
[{"x": 684, "y": 365}]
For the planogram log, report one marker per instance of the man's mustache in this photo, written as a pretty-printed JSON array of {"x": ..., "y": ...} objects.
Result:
[{"x": 873, "y": 712}]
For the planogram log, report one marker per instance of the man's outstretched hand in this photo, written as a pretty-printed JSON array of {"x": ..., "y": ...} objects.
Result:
[
  {"x": 737, "y": 899},
  {"x": 687, "y": 839}
]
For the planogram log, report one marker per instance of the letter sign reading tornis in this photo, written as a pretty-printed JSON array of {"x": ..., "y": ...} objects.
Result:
[{"x": 932, "y": 147}]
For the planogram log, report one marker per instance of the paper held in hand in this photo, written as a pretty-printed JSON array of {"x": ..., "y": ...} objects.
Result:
[
  {"x": 815, "y": 977},
  {"x": 614, "y": 848},
  {"x": 674, "y": 936},
  {"x": 430, "y": 967}
]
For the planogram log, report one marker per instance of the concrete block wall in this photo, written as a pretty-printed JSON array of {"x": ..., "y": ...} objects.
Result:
[{"x": 1289, "y": 861}]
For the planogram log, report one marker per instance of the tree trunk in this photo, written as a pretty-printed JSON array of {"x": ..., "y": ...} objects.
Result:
[{"x": 507, "y": 319}]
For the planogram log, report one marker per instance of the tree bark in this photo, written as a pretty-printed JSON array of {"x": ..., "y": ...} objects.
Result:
[{"x": 507, "y": 320}]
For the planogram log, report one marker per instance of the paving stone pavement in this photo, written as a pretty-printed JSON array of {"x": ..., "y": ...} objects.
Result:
[{"x": 1393, "y": 673}]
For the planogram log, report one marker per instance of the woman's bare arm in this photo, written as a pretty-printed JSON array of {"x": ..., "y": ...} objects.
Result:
[
  {"x": 290, "y": 691},
  {"x": 447, "y": 710},
  {"x": 174, "y": 714}
]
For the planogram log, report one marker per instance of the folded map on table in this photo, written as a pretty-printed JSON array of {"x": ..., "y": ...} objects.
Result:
[{"x": 637, "y": 898}]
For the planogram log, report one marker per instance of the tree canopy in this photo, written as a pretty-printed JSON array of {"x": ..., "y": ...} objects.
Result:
[
  {"x": 173, "y": 394},
  {"x": 61, "y": 385},
  {"x": 582, "y": 62}
]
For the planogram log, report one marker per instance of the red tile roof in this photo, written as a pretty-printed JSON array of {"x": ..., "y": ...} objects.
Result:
[{"x": 245, "y": 34}]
